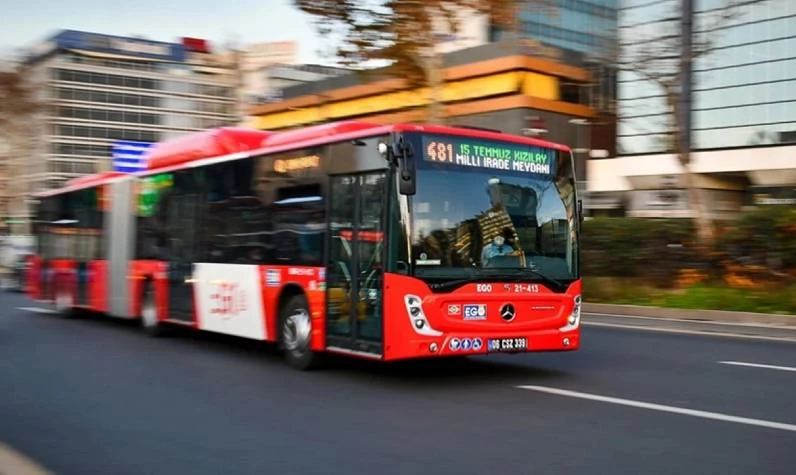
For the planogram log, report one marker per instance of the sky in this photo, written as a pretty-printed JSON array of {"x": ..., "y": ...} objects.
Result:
[{"x": 26, "y": 23}]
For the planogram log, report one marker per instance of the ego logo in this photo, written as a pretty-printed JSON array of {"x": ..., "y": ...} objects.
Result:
[
  {"x": 475, "y": 312},
  {"x": 227, "y": 300}
]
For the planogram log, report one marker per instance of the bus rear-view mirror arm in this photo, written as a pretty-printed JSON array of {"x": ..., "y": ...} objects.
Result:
[{"x": 406, "y": 166}]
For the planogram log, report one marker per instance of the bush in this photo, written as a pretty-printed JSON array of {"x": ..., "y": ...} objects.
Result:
[
  {"x": 653, "y": 250},
  {"x": 760, "y": 246},
  {"x": 755, "y": 251}
]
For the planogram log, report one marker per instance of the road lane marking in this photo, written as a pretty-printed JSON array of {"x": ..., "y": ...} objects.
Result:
[
  {"x": 758, "y": 365},
  {"x": 36, "y": 309},
  {"x": 663, "y": 408},
  {"x": 690, "y": 332},
  {"x": 13, "y": 462}
]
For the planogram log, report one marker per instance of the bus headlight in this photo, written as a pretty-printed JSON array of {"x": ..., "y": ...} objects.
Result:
[
  {"x": 573, "y": 321},
  {"x": 418, "y": 319}
]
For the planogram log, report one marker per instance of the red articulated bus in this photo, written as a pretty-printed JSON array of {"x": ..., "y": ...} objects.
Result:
[{"x": 385, "y": 242}]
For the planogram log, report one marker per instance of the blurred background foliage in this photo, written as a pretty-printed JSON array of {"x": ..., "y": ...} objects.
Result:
[{"x": 750, "y": 266}]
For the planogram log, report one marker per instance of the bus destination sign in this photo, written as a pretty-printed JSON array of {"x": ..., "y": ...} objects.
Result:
[{"x": 473, "y": 153}]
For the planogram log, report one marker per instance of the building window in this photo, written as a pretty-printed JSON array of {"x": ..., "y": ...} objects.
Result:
[
  {"x": 572, "y": 93},
  {"x": 106, "y": 133}
]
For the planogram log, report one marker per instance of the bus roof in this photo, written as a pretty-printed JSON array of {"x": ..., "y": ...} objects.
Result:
[
  {"x": 227, "y": 143},
  {"x": 318, "y": 135},
  {"x": 205, "y": 144},
  {"x": 96, "y": 177},
  {"x": 82, "y": 182},
  {"x": 331, "y": 130}
]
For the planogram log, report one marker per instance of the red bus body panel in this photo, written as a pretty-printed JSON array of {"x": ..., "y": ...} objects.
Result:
[
  {"x": 98, "y": 286},
  {"x": 539, "y": 316},
  {"x": 138, "y": 273},
  {"x": 33, "y": 285}
]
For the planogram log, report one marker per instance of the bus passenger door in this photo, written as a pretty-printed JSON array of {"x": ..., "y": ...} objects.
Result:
[
  {"x": 354, "y": 275},
  {"x": 183, "y": 221}
]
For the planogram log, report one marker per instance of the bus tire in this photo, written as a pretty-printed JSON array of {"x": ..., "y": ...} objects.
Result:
[
  {"x": 149, "y": 312},
  {"x": 295, "y": 331},
  {"x": 63, "y": 300}
]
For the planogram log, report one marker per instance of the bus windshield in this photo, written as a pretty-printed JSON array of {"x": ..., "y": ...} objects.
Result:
[{"x": 493, "y": 209}]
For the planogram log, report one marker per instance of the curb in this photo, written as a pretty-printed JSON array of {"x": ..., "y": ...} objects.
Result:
[{"x": 746, "y": 318}]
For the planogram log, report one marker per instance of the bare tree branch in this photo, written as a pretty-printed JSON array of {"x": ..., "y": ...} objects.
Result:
[{"x": 402, "y": 33}]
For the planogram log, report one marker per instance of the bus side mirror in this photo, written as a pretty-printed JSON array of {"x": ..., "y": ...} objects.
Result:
[
  {"x": 406, "y": 167},
  {"x": 580, "y": 211}
]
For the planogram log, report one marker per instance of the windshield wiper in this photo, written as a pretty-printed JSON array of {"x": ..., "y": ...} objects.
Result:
[
  {"x": 522, "y": 271},
  {"x": 447, "y": 285}
]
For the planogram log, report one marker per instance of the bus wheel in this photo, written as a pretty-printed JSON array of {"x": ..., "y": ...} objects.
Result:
[
  {"x": 295, "y": 330},
  {"x": 64, "y": 300},
  {"x": 149, "y": 312}
]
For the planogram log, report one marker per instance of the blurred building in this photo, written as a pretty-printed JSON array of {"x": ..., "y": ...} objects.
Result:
[
  {"x": 496, "y": 85},
  {"x": 255, "y": 61},
  {"x": 472, "y": 30},
  {"x": 744, "y": 119},
  {"x": 103, "y": 90},
  {"x": 275, "y": 78},
  {"x": 587, "y": 26},
  {"x": 268, "y": 68},
  {"x": 256, "y": 56}
]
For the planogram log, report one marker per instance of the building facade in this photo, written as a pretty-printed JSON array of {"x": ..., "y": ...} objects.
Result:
[
  {"x": 275, "y": 78},
  {"x": 587, "y": 26},
  {"x": 255, "y": 62},
  {"x": 493, "y": 86},
  {"x": 744, "y": 120},
  {"x": 102, "y": 89},
  {"x": 744, "y": 89}
]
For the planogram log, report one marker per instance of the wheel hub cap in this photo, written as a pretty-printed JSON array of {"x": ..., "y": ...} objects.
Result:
[{"x": 296, "y": 331}]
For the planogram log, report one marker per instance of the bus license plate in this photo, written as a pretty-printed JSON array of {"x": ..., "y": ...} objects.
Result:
[{"x": 507, "y": 345}]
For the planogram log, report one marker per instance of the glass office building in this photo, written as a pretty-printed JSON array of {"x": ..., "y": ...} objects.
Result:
[
  {"x": 585, "y": 26},
  {"x": 589, "y": 28},
  {"x": 744, "y": 89}
]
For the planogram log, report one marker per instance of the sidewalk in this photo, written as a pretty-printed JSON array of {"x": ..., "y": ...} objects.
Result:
[{"x": 717, "y": 316}]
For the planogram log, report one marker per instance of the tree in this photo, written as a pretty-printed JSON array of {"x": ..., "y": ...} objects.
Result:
[
  {"x": 18, "y": 107},
  {"x": 657, "y": 53},
  {"x": 401, "y": 33}
]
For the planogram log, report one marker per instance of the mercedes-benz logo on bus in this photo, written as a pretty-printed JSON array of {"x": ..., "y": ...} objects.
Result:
[{"x": 507, "y": 312}]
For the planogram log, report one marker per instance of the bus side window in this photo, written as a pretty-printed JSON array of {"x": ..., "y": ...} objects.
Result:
[
  {"x": 254, "y": 221},
  {"x": 220, "y": 221},
  {"x": 298, "y": 213}
]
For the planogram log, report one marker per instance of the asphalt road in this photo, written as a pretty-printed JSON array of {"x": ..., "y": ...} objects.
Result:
[{"x": 97, "y": 396}]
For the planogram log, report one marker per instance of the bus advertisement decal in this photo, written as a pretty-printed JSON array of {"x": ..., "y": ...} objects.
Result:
[{"x": 229, "y": 300}]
